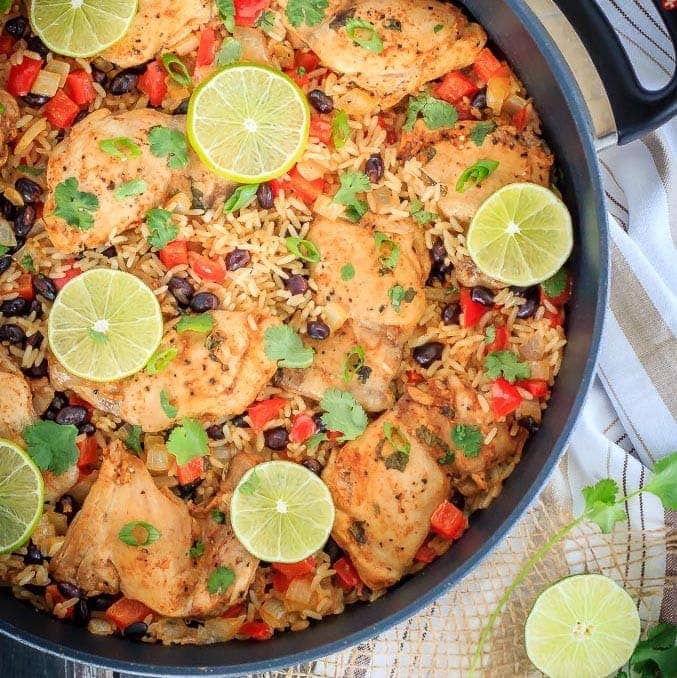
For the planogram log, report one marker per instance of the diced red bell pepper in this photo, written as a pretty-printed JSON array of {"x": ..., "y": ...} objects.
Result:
[
  {"x": 501, "y": 340},
  {"x": 280, "y": 582},
  {"x": 308, "y": 191},
  {"x": 257, "y": 630},
  {"x": 174, "y": 253},
  {"x": 564, "y": 297},
  {"x": 206, "y": 51},
  {"x": 190, "y": 472},
  {"x": 537, "y": 387},
  {"x": 291, "y": 570},
  {"x": 153, "y": 82},
  {"x": 22, "y": 76},
  {"x": 234, "y": 611},
  {"x": 413, "y": 377},
  {"x": 425, "y": 554},
  {"x": 89, "y": 455},
  {"x": 61, "y": 110},
  {"x": 334, "y": 435},
  {"x": 471, "y": 310},
  {"x": 53, "y": 592},
  {"x": 264, "y": 411},
  {"x": 248, "y": 11},
  {"x": 208, "y": 269},
  {"x": 519, "y": 119},
  {"x": 77, "y": 401},
  {"x": 126, "y": 611},
  {"x": 320, "y": 129},
  {"x": 348, "y": 578},
  {"x": 505, "y": 397},
  {"x": 298, "y": 75},
  {"x": 391, "y": 134},
  {"x": 486, "y": 65},
  {"x": 556, "y": 319},
  {"x": 276, "y": 185},
  {"x": 307, "y": 60},
  {"x": 302, "y": 428},
  {"x": 80, "y": 88},
  {"x": 24, "y": 287},
  {"x": 6, "y": 43},
  {"x": 71, "y": 273},
  {"x": 454, "y": 87},
  {"x": 448, "y": 521}
]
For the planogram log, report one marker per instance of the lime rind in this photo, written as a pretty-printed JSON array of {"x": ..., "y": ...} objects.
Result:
[
  {"x": 271, "y": 535},
  {"x": 584, "y": 625},
  {"x": 21, "y": 496},
  {"x": 235, "y": 102}
]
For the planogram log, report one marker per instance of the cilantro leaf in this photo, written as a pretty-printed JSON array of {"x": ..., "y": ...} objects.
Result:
[
  {"x": 75, "y": 207},
  {"x": 241, "y": 197},
  {"x": 133, "y": 439},
  {"x": 481, "y": 130},
  {"x": 308, "y": 12},
  {"x": 664, "y": 482},
  {"x": 489, "y": 335},
  {"x": 188, "y": 441},
  {"x": 139, "y": 533},
  {"x": 364, "y": 34},
  {"x": 506, "y": 363},
  {"x": 167, "y": 406},
  {"x": 52, "y": 446},
  {"x": 27, "y": 263},
  {"x": 266, "y": 22},
  {"x": 340, "y": 130},
  {"x": 468, "y": 439},
  {"x": 391, "y": 255},
  {"x": 347, "y": 272},
  {"x": 314, "y": 441},
  {"x": 657, "y": 655},
  {"x": 197, "y": 550},
  {"x": 283, "y": 343},
  {"x": 169, "y": 143},
  {"x": 218, "y": 516},
  {"x": 343, "y": 413},
  {"x": 397, "y": 294},
  {"x": 196, "y": 323},
  {"x": 229, "y": 52},
  {"x": 601, "y": 504},
  {"x": 422, "y": 216},
  {"x": 353, "y": 183},
  {"x": 476, "y": 174},
  {"x": 130, "y": 189},
  {"x": 555, "y": 285},
  {"x": 160, "y": 360},
  {"x": 435, "y": 112},
  {"x": 220, "y": 580},
  {"x": 227, "y": 13},
  {"x": 161, "y": 229}
]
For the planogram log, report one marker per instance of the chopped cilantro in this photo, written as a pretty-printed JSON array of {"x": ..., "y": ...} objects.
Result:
[
  {"x": 481, "y": 130},
  {"x": 130, "y": 189},
  {"x": 75, "y": 207},
  {"x": 197, "y": 550},
  {"x": 266, "y": 21},
  {"x": 343, "y": 413},
  {"x": 476, "y": 174},
  {"x": 161, "y": 229},
  {"x": 657, "y": 655},
  {"x": 437, "y": 28},
  {"x": 196, "y": 323},
  {"x": 138, "y": 533},
  {"x": 241, "y": 197},
  {"x": 160, "y": 360},
  {"x": 391, "y": 255},
  {"x": 133, "y": 439},
  {"x": 353, "y": 183},
  {"x": 227, "y": 13},
  {"x": 52, "y": 446},
  {"x": 188, "y": 441},
  {"x": 431, "y": 439},
  {"x": 314, "y": 441},
  {"x": 353, "y": 363},
  {"x": 229, "y": 52},
  {"x": 397, "y": 294},
  {"x": 602, "y": 506},
  {"x": 467, "y": 438},
  {"x": 220, "y": 580},
  {"x": 347, "y": 272},
  {"x": 283, "y": 343},
  {"x": 506, "y": 363},
  {"x": 32, "y": 171},
  {"x": 340, "y": 129},
  {"x": 166, "y": 405},
  {"x": 303, "y": 249},
  {"x": 422, "y": 216},
  {"x": 364, "y": 34},
  {"x": 308, "y": 12},
  {"x": 218, "y": 516},
  {"x": 555, "y": 285},
  {"x": 169, "y": 143},
  {"x": 27, "y": 263},
  {"x": 489, "y": 335},
  {"x": 436, "y": 113}
]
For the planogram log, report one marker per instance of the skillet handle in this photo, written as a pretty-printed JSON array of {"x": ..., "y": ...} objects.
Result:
[{"x": 637, "y": 110}]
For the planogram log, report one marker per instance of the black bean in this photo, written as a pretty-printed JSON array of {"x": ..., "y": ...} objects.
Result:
[
  {"x": 5, "y": 263},
  {"x": 182, "y": 290},
  {"x": 237, "y": 259},
  {"x": 188, "y": 490},
  {"x": 529, "y": 423},
  {"x": 15, "y": 307},
  {"x": 451, "y": 314},
  {"x": 482, "y": 295},
  {"x": 480, "y": 99},
  {"x": 193, "y": 623},
  {"x": 11, "y": 333},
  {"x": 296, "y": 284},
  {"x": 35, "y": 340},
  {"x": 427, "y": 354},
  {"x": 45, "y": 287},
  {"x": 7, "y": 209},
  {"x": 264, "y": 194},
  {"x": 101, "y": 602},
  {"x": 276, "y": 438},
  {"x": 66, "y": 507},
  {"x": 203, "y": 302},
  {"x": 215, "y": 432},
  {"x": 135, "y": 631},
  {"x": 312, "y": 465},
  {"x": 24, "y": 221},
  {"x": 374, "y": 168},
  {"x": 320, "y": 101},
  {"x": 532, "y": 292},
  {"x": 35, "y": 100},
  {"x": 458, "y": 500},
  {"x": 37, "y": 371},
  {"x": 59, "y": 401},
  {"x": 333, "y": 550},
  {"x": 81, "y": 116},
  {"x": 34, "y": 44},
  {"x": 35, "y": 308},
  {"x": 110, "y": 252},
  {"x": 99, "y": 76},
  {"x": 81, "y": 613},
  {"x": 29, "y": 190},
  {"x": 88, "y": 429},
  {"x": 33, "y": 555},
  {"x": 527, "y": 309},
  {"x": 18, "y": 27},
  {"x": 72, "y": 414},
  {"x": 124, "y": 82},
  {"x": 182, "y": 108},
  {"x": 438, "y": 253},
  {"x": 318, "y": 330},
  {"x": 321, "y": 426},
  {"x": 68, "y": 590},
  {"x": 240, "y": 421}
]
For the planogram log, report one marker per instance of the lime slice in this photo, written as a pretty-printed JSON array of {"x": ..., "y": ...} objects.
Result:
[
  {"x": 21, "y": 496},
  {"x": 105, "y": 325},
  {"x": 248, "y": 123},
  {"x": 585, "y": 626},
  {"x": 281, "y": 512},
  {"x": 81, "y": 28},
  {"x": 521, "y": 235}
]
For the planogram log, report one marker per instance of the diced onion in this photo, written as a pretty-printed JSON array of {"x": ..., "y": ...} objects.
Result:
[
  {"x": 157, "y": 457},
  {"x": 540, "y": 369},
  {"x": 335, "y": 315},
  {"x": 273, "y": 612},
  {"x": 46, "y": 84},
  {"x": 498, "y": 90},
  {"x": 514, "y": 104},
  {"x": 61, "y": 68},
  {"x": 253, "y": 44}
]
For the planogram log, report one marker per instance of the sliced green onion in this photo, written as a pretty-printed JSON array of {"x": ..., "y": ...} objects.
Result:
[
  {"x": 396, "y": 438},
  {"x": 160, "y": 360},
  {"x": 176, "y": 69},
  {"x": 353, "y": 363},
  {"x": 303, "y": 249},
  {"x": 33, "y": 171},
  {"x": 364, "y": 34},
  {"x": 129, "y": 533},
  {"x": 476, "y": 173},
  {"x": 241, "y": 197},
  {"x": 392, "y": 249},
  {"x": 130, "y": 188},
  {"x": 340, "y": 129},
  {"x": 196, "y": 323},
  {"x": 120, "y": 147}
]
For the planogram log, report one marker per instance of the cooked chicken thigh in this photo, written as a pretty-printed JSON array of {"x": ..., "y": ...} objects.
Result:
[
  {"x": 172, "y": 22},
  {"x": 161, "y": 574},
  {"x": 99, "y": 173},
  {"x": 414, "y": 51},
  {"x": 16, "y": 400},
  {"x": 8, "y": 120},
  {"x": 211, "y": 377}
]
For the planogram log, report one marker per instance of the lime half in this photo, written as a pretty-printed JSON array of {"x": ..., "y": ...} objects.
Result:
[
  {"x": 21, "y": 496},
  {"x": 585, "y": 626},
  {"x": 521, "y": 235},
  {"x": 105, "y": 325},
  {"x": 281, "y": 512},
  {"x": 81, "y": 28},
  {"x": 249, "y": 123}
]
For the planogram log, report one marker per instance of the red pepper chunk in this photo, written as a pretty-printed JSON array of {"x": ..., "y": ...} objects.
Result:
[
  {"x": 24, "y": 287},
  {"x": 53, "y": 592},
  {"x": 6, "y": 43},
  {"x": 302, "y": 428},
  {"x": 454, "y": 87},
  {"x": 300, "y": 569},
  {"x": 190, "y": 472},
  {"x": 206, "y": 51},
  {"x": 448, "y": 521},
  {"x": 505, "y": 397},
  {"x": 307, "y": 60},
  {"x": 77, "y": 401},
  {"x": 347, "y": 575},
  {"x": 153, "y": 82},
  {"x": 307, "y": 190},
  {"x": 234, "y": 611},
  {"x": 248, "y": 11},
  {"x": 22, "y": 76},
  {"x": 320, "y": 129},
  {"x": 89, "y": 455},
  {"x": 61, "y": 110},
  {"x": 520, "y": 119},
  {"x": 126, "y": 611},
  {"x": 264, "y": 411},
  {"x": 486, "y": 65},
  {"x": 67, "y": 277},
  {"x": 174, "y": 253},
  {"x": 413, "y": 377},
  {"x": 425, "y": 554},
  {"x": 501, "y": 340},
  {"x": 80, "y": 88},
  {"x": 257, "y": 630},
  {"x": 471, "y": 310},
  {"x": 562, "y": 298},
  {"x": 537, "y": 387},
  {"x": 208, "y": 269}
]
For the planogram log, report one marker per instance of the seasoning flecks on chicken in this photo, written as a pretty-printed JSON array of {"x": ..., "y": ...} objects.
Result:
[
  {"x": 16, "y": 400},
  {"x": 212, "y": 376},
  {"x": 172, "y": 24},
  {"x": 99, "y": 173},
  {"x": 8, "y": 120},
  {"x": 415, "y": 49},
  {"x": 161, "y": 574}
]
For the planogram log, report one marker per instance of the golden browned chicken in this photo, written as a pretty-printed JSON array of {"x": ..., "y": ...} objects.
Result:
[
  {"x": 8, "y": 120},
  {"x": 16, "y": 399},
  {"x": 414, "y": 52},
  {"x": 97, "y": 172},
  {"x": 211, "y": 377},
  {"x": 161, "y": 574},
  {"x": 383, "y": 304},
  {"x": 172, "y": 23}
]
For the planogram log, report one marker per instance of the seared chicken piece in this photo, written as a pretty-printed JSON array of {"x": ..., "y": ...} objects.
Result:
[
  {"x": 8, "y": 120},
  {"x": 16, "y": 400},
  {"x": 162, "y": 575},
  {"x": 160, "y": 26},
  {"x": 100, "y": 173},
  {"x": 57, "y": 486},
  {"x": 212, "y": 376},
  {"x": 368, "y": 301},
  {"x": 414, "y": 50}
]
